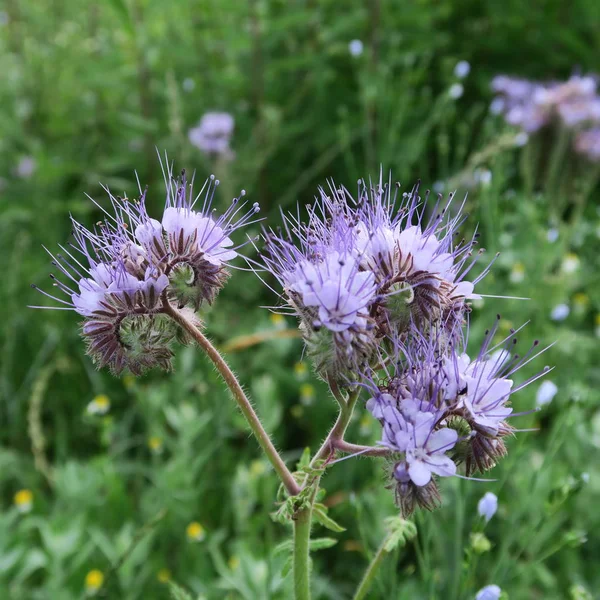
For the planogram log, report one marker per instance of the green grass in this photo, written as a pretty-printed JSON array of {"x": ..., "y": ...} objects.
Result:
[{"x": 89, "y": 90}]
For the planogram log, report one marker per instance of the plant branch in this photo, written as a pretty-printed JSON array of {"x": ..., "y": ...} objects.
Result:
[
  {"x": 339, "y": 428},
  {"x": 239, "y": 396},
  {"x": 344, "y": 446}
]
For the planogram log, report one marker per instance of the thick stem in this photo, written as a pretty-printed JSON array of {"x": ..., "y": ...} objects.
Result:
[
  {"x": 239, "y": 396},
  {"x": 371, "y": 572},
  {"x": 302, "y": 524}
]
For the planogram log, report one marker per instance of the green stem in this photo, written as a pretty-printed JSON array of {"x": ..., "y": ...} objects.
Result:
[
  {"x": 239, "y": 396},
  {"x": 302, "y": 525},
  {"x": 339, "y": 427},
  {"x": 371, "y": 572}
]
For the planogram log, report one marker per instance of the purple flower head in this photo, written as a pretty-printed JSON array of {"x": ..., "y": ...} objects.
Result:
[
  {"x": 213, "y": 134},
  {"x": 324, "y": 285},
  {"x": 378, "y": 263},
  {"x": 438, "y": 408},
  {"x": 420, "y": 269},
  {"x": 119, "y": 274}
]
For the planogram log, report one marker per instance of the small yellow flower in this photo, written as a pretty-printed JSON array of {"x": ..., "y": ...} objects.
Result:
[
  {"x": 278, "y": 320},
  {"x": 233, "y": 562},
  {"x": 93, "y": 581},
  {"x": 581, "y": 302},
  {"x": 300, "y": 370},
  {"x": 155, "y": 444},
  {"x": 24, "y": 500},
  {"x": 505, "y": 325},
  {"x": 570, "y": 263},
  {"x": 100, "y": 405},
  {"x": 517, "y": 273},
  {"x": 164, "y": 575},
  {"x": 195, "y": 532},
  {"x": 307, "y": 394},
  {"x": 365, "y": 425},
  {"x": 257, "y": 467}
]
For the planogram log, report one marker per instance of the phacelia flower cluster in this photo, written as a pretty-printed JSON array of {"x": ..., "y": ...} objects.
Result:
[
  {"x": 212, "y": 135},
  {"x": 381, "y": 287},
  {"x": 439, "y": 409},
  {"x": 359, "y": 271},
  {"x": 574, "y": 105},
  {"x": 119, "y": 274}
]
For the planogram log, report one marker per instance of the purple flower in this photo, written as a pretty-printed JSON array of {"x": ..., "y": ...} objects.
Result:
[
  {"x": 439, "y": 408},
  {"x": 26, "y": 167},
  {"x": 487, "y": 506},
  {"x": 324, "y": 285},
  {"x": 489, "y": 592},
  {"x": 119, "y": 274},
  {"x": 420, "y": 270},
  {"x": 213, "y": 134},
  {"x": 424, "y": 446},
  {"x": 373, "y": 264}
]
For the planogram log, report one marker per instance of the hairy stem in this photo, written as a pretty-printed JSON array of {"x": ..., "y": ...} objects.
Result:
[
  {"x": 371, "y": 572},
  {"x": 344, "y": 446},
  {"x": 239, "y": 396},
  {"x": 302, "y": 525},
  {"x": 339, "y": 428}
]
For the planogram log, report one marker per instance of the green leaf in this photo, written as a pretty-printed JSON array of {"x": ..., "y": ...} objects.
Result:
[
  {"x": 322, "y": 543},
  {"x": 400, "y": 531},
  {"x": 320, "y": 515},
  {"x": 178, "y": 593},
  {"x": 304, "y": 461}
]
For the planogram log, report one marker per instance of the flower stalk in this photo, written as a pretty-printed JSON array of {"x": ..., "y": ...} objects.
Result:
[
  {"x": 371, "y": 572},
  {"x": 239, "y": 396}
]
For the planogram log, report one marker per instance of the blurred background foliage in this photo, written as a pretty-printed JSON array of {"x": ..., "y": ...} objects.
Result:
[{"x": 135, "y": 488}]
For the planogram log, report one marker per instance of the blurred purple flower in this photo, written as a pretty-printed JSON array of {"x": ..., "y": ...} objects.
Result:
[
  {"x": 355, "y": 47},
  {"x": 213, "y": 134},
  {"x": 26, "y": 167},
  {"x": 487, "y": 506},
  {"x": 588, "y": 143},
  {"x": 489, "y": 592}
]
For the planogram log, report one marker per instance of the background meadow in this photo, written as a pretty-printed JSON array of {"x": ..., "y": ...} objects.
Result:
[{"x": 152, "y": 488}]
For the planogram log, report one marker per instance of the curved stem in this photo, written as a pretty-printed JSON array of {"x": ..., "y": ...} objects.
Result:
[
  {"x": 339, "y": 428},
  {"x": 371, "y": 572},
  {"x": 239, "y": 396}
]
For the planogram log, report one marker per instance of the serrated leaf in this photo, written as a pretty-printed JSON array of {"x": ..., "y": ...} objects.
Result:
[
  {"x": 320, "y": 514},
  {"x": 401, "y": 531}
]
